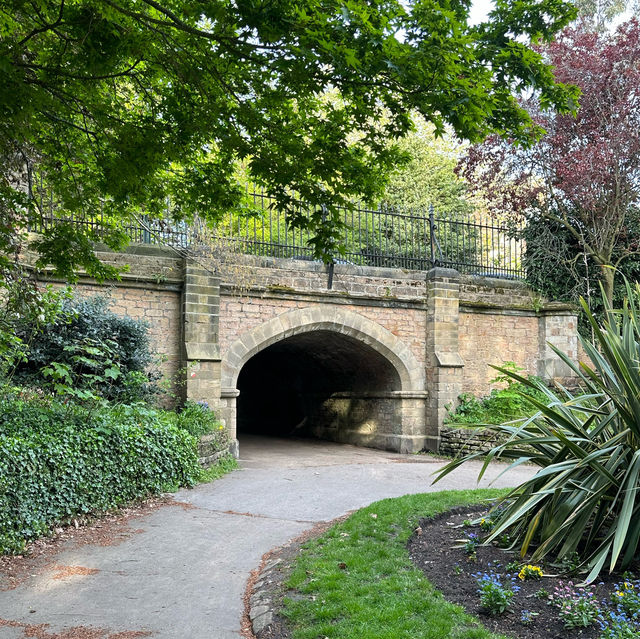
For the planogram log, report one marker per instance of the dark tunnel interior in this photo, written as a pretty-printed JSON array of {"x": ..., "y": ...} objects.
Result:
[{"x": 285, "y": 385}]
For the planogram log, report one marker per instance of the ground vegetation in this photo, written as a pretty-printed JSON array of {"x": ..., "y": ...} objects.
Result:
[
  {"x": 381, "y": 572},
  {"x": 582, "y": 502},
  {"x": 79, "y": 432}
]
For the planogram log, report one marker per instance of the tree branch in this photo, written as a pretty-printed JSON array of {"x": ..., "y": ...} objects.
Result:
[
  {"x": 75, "y": 76},
  {"x": 46, "y": 27}
]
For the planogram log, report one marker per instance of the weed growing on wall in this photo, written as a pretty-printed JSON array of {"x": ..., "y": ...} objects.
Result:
[{"x": 501, "y": 405}]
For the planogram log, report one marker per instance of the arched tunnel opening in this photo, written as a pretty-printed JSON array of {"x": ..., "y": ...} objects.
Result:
[{"x": 320, "y": 384}]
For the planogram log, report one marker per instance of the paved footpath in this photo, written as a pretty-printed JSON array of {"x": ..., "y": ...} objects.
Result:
[{"x": 183, "y": 574}]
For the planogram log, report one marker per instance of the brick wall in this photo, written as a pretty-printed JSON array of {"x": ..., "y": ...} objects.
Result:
[
  {"x": 443, "y": 330},
  {"x": 241, "y": 314},
  {"x": 150, "y": 289},
  {"x": 492, "y": 338},
  {"x": 457, "y": 442},
  {"x": 252, "y": 273}
]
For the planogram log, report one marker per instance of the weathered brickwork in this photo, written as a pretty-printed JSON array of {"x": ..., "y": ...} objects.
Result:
[
  {"x": 483, "y": 292},
  {"x": 582, "y": 355},
  {"x": 457, "y": 442},
  {"x": 239, "y": 315},
  {"x": 307, "y": 276},
  {"x": 491, "y": 338},
  {"x": 442, "y": 338},
  {"x": 436, "y": 332}
]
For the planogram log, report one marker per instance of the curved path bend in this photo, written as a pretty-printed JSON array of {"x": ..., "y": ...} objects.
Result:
[{"x": 183, "y": 575}]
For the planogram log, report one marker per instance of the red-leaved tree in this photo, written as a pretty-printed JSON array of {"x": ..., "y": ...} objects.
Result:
[{"x": 584, "y": 176}]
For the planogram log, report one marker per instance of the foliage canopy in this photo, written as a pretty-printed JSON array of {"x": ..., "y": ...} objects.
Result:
[
  {"x": 428, "y": 178},
  {"x": 124, "y": 106}
]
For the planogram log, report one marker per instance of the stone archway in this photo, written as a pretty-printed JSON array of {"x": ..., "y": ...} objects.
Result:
[{"x": 388, "y": 413}]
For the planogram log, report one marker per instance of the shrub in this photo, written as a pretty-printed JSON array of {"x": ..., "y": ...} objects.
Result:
[
  {"x": 585, "y": 498},
  {"x": 60, "y": 460},
  {"x": 198, "y": 420},
  {"x": 24, "y": 303},
  {"x": 501, "y": 405},
  {"x": 88, "y": 347}
]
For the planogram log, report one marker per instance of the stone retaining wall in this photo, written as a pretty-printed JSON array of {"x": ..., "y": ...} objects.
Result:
[
  {"x": 458, "y": 442},
  {"x": 438, "y": 330}
]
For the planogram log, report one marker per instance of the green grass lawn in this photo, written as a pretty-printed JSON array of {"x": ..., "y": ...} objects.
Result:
[{"x": 357, "y": 581}]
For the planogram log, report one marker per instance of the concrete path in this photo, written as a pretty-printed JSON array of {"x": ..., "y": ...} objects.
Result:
[{"x": 183, "y": 575}]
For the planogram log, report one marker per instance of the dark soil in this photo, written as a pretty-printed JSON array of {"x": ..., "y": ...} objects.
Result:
[{"x": 434, "y": 548}]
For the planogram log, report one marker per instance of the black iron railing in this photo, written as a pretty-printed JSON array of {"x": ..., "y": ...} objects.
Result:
[
  {"x": 382, "y": 237},
  {"x": 370, "y": 237}
]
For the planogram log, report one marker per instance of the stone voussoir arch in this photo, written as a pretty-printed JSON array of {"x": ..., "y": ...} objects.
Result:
[{"x": 310, "y": 319}]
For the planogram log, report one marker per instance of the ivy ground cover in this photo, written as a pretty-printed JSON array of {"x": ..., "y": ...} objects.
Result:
[{"x": 60, "y": 460}]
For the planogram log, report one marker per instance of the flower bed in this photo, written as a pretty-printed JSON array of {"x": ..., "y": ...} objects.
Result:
[{"x": 515, "y": 597}]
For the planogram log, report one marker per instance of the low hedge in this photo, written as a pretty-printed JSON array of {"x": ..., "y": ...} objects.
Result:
[{"x": 61, "y": 460}]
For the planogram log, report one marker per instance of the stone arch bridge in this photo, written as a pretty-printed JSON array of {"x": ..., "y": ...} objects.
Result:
[{"x": 376, "y": 360}]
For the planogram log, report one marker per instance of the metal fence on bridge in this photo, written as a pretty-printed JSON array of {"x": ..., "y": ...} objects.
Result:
[{"x": 385, "y": 236}]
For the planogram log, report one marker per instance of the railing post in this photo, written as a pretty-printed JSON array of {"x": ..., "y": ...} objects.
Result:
[
  {"x": 146, "y": 235},
  {"x": 432, "y": 236},
  {"x": 330, "y": 280}
]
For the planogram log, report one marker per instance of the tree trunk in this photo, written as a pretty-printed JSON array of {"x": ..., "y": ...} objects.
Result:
[{"x": 608, "y": 276}]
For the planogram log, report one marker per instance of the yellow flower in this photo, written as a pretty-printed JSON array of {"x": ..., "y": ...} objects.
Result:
[{"x": 530, "y": 572}]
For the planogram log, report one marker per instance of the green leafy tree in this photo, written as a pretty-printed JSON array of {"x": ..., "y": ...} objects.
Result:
[
  {"x": 124, "y": 106},
  {"x": 428, "y": 178}
]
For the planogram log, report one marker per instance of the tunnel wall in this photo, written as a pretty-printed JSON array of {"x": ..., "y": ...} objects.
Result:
[{"x": 440, "y": 331}]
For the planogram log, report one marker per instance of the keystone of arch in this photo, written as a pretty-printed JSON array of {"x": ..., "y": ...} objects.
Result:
[{"x": 337, "y": 320}]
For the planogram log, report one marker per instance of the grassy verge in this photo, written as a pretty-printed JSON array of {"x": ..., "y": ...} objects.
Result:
[
  {"x": 357, "y": 581},
  {"x": 224, "y": 465}
]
